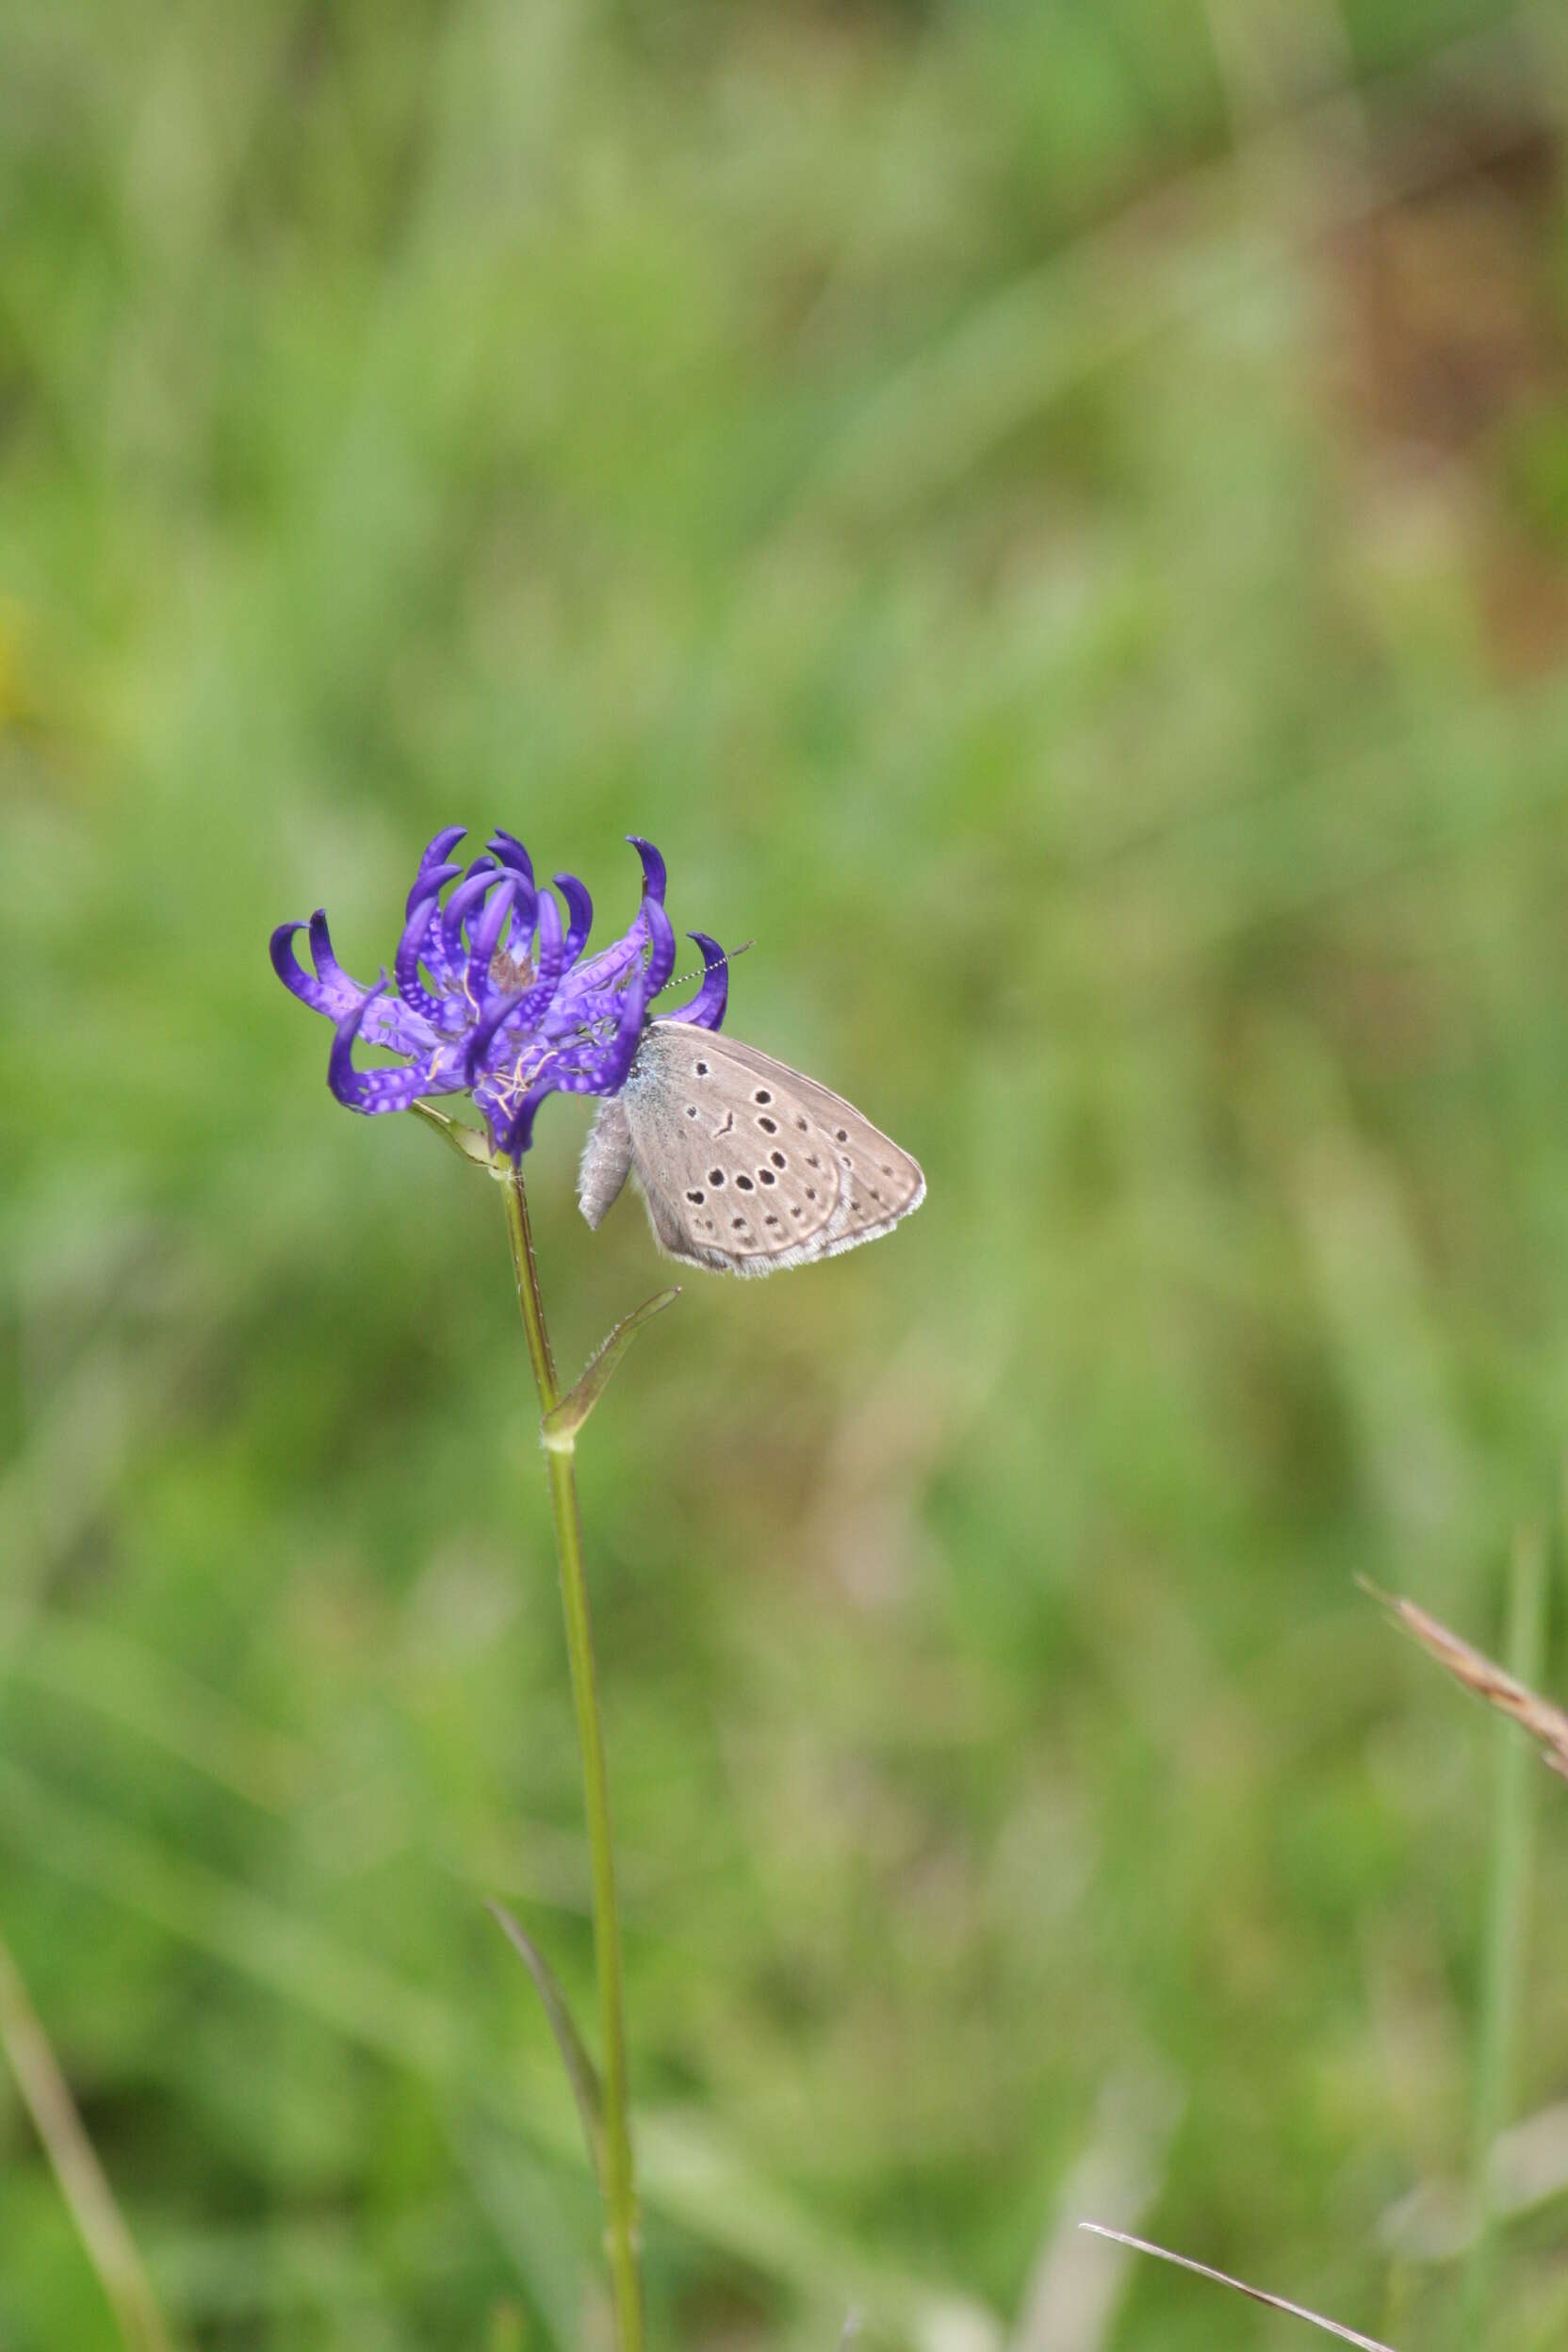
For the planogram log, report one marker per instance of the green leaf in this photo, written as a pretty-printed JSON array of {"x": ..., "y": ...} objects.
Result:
[
  {"x": 580, "y": 2069},
  {"x": 562, "y": 1425},
  {"x": 468, "y": 1142}
]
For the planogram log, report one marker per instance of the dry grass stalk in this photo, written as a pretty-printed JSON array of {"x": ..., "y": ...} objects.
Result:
[
  {"x": 1547, "y": 1724},
  {"x": 109, "y": 2245},
  {"x": 1223, "y": 2278}
]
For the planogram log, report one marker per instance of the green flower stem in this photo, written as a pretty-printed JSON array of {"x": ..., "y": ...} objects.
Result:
[{"x": 620, "y": 2194}]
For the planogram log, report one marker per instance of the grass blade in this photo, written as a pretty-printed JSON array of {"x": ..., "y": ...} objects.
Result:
[
  {"x": 109, "y": 2245},
  {"x": 1508, "y": 1902},
  {"x": 581, "y": 2070},
  {"x": 1223, "y": 2278}
]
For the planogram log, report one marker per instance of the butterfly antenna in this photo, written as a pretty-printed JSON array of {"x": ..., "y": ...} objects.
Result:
[{"x": 679, "y": 979}]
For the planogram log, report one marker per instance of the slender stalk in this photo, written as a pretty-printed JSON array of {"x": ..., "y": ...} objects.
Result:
[
  {"x": 1507, "y": 1905},
  {"x": 109, "y": 2245},
  {"x": 620, "y": 2194}
]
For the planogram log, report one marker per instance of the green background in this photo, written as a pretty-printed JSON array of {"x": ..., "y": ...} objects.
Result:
[{"x": 1055, "y": 519}]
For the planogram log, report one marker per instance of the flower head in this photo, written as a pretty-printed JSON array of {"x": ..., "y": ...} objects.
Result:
[{"x": 490, "y": 995}]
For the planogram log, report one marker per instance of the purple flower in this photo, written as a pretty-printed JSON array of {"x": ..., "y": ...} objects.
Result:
[{"x": 490, "y": 995}]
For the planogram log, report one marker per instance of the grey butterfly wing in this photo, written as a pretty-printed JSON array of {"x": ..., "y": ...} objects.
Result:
[
  {"x": 879, "y": 1182},
  {"x": 723, "y": 1189},
  {"x": 746, "y": 1164}
]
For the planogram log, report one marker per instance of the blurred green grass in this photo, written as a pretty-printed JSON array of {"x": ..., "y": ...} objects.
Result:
[{"x": 1053, "y": 520}]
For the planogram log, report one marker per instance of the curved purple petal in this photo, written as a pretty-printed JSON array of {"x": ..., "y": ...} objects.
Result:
[
  {"x": 296, "y": 979},
  {"x": 371, "y": 1090},
  {"x": 411, "y": 947},
  {"x": 511, "y": 1137},
  {"x": 433, "y": 954},
  {"x": 481, "y": 1038},
  {"x": 483, "y": 936},
  {"x": 508, "y": 851},
  {"x": 706, "y": 1008},
  {"x": 525, "y": 1010},
  {"x": 432, "y": 855},
  {"x": 623, "y": 1046},
  {"x": 579, "y": 908},
  {"x": 341, "y": 991},
  {"x": 552, "y": 947},
  {"x": 661, "y": 937},
  {"x": 524, "y": 908},
  {"x": 603, "y": 1069},
  {"x": 470, "y": 893},
  {"x": 606, "y": 970},
  {"x": 398, "y": 1026},
  {"x": 654, "y": 876}
]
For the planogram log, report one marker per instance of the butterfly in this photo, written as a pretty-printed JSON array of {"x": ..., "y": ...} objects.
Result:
[{"x": 745, "y": 1164}]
